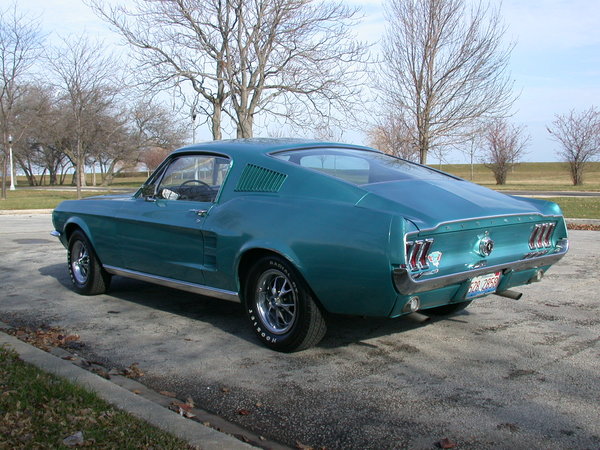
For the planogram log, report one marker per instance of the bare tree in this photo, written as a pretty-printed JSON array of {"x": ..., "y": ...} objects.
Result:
[
  {"x": 471, "y": 147},
  {"x": 147, "y": 126},
  {"x": 87, "y": 84},
  {"x": 35, "y": 114},
  {"x": 393, "y": 136},
  {"x": 20, "y": 45},
  {"x": 153, "y": 156},
  {"x": 294, "y": 58},
  {"x": 505, "y": 145},
  {"x": 579, "y": 136},
  {"x": 445, "y": 68},
  {"x": 153, "y": 125}
]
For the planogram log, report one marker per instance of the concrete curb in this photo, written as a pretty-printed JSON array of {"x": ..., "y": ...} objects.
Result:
[{"x": 193, "y": 432}]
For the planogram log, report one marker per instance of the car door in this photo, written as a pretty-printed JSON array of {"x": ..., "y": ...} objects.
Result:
[{"x": 162, "y": 233}]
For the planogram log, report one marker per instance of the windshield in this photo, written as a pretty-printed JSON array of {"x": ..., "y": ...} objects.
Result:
[{"x": 360, "y": 166}]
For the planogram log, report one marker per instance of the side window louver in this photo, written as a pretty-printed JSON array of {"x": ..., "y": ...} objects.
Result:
[{"x": 259, "y": 179}]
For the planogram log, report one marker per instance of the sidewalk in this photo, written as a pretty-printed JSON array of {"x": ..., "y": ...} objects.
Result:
[{"x": 194, "y": 432}]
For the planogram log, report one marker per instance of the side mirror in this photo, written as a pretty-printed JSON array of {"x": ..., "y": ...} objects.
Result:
[{"x": 149, "y": 192}]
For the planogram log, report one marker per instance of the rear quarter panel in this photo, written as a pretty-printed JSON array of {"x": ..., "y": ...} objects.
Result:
[{"x": 341, "y": 250}]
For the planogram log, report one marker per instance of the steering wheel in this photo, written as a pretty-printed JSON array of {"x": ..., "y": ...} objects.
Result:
[
  {"x": 185, "y": 194},
  {"x": 195, "y": 181}
]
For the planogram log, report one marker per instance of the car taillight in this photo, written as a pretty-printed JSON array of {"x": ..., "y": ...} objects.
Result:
[
  {"x": 416, "y": 254},
  {"x": 541, "y": 236}
]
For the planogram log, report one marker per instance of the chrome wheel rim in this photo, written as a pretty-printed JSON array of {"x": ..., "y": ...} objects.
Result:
[
  {"x": 80, "y": 262},
  {"x": 276, "y": 301}
]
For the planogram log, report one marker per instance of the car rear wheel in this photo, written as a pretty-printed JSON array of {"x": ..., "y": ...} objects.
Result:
[
  {"x": 447, "y": 310},
  {"x": 280, "y": 306},
  {"x": 86, "y": 272}
]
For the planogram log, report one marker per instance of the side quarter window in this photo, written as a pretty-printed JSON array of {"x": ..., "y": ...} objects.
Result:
[{"x": 194, "y": 178}]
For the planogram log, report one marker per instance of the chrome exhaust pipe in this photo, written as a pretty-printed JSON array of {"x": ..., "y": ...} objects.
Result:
[{"x": 510, "y": 294}]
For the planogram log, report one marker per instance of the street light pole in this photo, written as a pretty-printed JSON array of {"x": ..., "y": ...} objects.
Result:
[
  {"x": 10, "y": 162},
  {"x": 193, "y": 127}
]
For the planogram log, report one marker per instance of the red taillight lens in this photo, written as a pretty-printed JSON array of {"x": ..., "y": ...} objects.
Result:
[
  {"x": 547, "y": 241},
  {"x": 533, "y": 238},
  {"x": 541, "y": 236},
  {"x": 416, "y": 254},
  {"x": 423, "y": 254}
]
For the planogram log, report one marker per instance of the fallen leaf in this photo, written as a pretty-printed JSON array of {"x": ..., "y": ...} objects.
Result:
[
  {"x": 183, "y": 409},
  {"x": 446, "y": 443},
  {"x": 301, "y": 446},
  {"x": 70, "y": 338},
  {"x": 137, "y": 391},
  {"x": 258, "y": 404},
  {"x": 243, "y": 412},
  {"x": 190, "y": 402},
  {"x": 133, "y": 371},
  {"x": 585, "y": 227},
  {"x": 168, "y": 394},
  {"x": 225, "y": 390},
  {"x": 69, "y": 358}
]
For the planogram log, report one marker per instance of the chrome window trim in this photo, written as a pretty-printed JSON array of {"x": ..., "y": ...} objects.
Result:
[
  {"x": 407, "y": 285},
  {"x": 176, "y": 284}
]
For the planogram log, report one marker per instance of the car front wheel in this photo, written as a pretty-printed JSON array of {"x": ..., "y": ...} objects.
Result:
[
  {"x": 280, "y": 306},
  {"x": 86, "y": 272}
]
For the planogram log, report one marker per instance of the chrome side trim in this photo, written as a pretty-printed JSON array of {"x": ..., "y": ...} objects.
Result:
[
  {"x": 176, "y": 284},
  {"x": 55, "y": 233},
  {"x": 407, "y": 285}
]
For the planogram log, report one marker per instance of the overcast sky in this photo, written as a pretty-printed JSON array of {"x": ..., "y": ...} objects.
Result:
[{"x": 555, "y": 63}]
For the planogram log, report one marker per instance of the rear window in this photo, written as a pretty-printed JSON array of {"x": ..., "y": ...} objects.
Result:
[{"x": 359, "y": 166}]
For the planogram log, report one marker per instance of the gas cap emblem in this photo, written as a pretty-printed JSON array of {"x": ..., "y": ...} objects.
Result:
[{"x": 486, "y": 245}]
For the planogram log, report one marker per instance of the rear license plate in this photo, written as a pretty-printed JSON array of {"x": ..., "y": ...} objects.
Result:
[{"x": 484, "y": 284}]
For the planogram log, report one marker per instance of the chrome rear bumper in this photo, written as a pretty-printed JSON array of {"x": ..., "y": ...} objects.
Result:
[{"x": 407, "y": 285}]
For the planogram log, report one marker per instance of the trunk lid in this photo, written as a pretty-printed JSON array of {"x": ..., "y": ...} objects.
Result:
[{"x": 431, "y": 202}]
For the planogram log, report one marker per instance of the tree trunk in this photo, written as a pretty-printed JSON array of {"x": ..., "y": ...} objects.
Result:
[
  {"x": 244, "y": 125},
  {"x": 216, "y": 121},
  {"x": 4, "y": 169}
]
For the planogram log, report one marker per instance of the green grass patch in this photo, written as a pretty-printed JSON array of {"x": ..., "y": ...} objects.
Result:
[
  {"x": 41, "y": 199},
  {"x": 40, "y": 410},
  {"x": 579, "y": 207},
  {"x": 530, "y": 176}
]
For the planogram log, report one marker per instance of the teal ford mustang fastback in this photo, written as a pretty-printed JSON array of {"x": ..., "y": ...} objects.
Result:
[{"x": 296, "y": 229}]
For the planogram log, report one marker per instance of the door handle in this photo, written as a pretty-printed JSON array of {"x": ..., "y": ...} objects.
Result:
[{"x": 199, "y": 212}]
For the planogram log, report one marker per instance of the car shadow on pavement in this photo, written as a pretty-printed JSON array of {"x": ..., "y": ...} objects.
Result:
[{"x": 229, "y": 316}]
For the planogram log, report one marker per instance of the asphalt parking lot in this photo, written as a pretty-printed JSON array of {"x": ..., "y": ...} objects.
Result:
[{"x": 503, "y": 374}]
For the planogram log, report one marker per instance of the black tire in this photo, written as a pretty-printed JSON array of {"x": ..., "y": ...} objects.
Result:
[
  {"x": 87, "y": 274},
  {"x": 447, "y": 310},
  {"x": 280, "y": 306}
]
